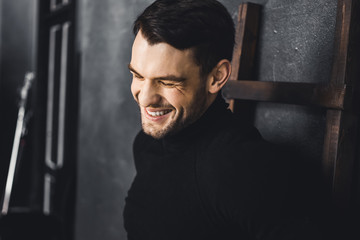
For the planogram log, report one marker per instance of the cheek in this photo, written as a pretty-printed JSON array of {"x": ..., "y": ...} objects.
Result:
[{"x": 178, "y": 100}]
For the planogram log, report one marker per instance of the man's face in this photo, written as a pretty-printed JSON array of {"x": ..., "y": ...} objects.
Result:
[{"x": 167, "y": 86}]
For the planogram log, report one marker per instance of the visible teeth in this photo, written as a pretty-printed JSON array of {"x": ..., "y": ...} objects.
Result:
[{"x": 157, "y": 113}]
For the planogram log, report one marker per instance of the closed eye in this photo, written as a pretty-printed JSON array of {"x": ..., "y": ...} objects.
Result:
[
  {"x": 167, "y": 84},
  {"x": 136, "y": 76}
]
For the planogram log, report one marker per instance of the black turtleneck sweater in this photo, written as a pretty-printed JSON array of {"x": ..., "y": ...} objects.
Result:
[{"x": 216, "y": 179}]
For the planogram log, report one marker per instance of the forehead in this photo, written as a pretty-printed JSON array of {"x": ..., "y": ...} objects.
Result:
[{"x": 161, "y": 58}]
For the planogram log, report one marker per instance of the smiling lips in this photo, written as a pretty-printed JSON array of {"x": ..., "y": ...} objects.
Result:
[{"x": 155, "y": 114}]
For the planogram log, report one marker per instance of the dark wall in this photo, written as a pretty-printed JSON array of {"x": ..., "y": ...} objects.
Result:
[
  {"x": 295, "y": 45},
  {"x": 0, "y": 37},
  {"x": 109, "y": 117}
]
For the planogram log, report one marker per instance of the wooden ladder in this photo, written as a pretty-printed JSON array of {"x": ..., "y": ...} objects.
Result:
[{"x": 339, "y": 97}]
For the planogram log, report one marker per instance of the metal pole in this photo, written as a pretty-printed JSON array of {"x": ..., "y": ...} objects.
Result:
[{"x": 18, "y": 134}]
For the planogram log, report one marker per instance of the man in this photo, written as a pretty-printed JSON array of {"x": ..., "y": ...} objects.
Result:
[{"x": 201, "y": 172}]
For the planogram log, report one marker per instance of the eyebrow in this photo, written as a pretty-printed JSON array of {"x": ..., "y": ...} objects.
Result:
[
  {"x": 172, "y": 78},
  {"x": 133, "y": 70}
]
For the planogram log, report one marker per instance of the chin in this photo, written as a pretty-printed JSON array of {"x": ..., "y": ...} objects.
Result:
[
  {"x": 155, "y": 133},
  {"x": 159, "y": 133}
]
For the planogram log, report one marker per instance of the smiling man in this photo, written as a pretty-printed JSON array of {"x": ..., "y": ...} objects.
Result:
[
  {"x": 175, "y": 79},
  {"x": 201, "y": 172},
  {"x": 168, "y": 87}
]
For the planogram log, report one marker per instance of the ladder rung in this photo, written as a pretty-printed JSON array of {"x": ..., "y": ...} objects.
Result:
[{"x": 286, "y": 92}]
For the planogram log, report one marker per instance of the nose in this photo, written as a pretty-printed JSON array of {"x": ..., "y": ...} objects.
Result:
[{"x": 149, "y": 94}]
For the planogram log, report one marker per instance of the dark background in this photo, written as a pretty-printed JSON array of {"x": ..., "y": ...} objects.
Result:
[{"x": 296, "y": 45}]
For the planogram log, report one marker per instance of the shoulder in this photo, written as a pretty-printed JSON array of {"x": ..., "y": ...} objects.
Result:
[
  {"x": 232, "y": 139},
  {"x": 239, "y": 168},
  {"x": 237, "y": 151}
]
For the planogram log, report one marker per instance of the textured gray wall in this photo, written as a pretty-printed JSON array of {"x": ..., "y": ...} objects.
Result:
[
  {"x": 109, "y": 117},
  {"x": 295, "y": 45}
]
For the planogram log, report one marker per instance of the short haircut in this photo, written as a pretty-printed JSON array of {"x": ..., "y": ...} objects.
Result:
[{"x": 203, "y": 25}]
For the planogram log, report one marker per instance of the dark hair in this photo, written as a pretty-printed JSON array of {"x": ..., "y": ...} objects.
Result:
[{"x": 204, "y": 25}]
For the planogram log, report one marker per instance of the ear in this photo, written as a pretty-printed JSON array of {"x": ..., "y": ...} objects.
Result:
[{"x": 219, "y": 76}]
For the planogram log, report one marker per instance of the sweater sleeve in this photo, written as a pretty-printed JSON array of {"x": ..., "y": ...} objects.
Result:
[{"x": 245, "y": 187}]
